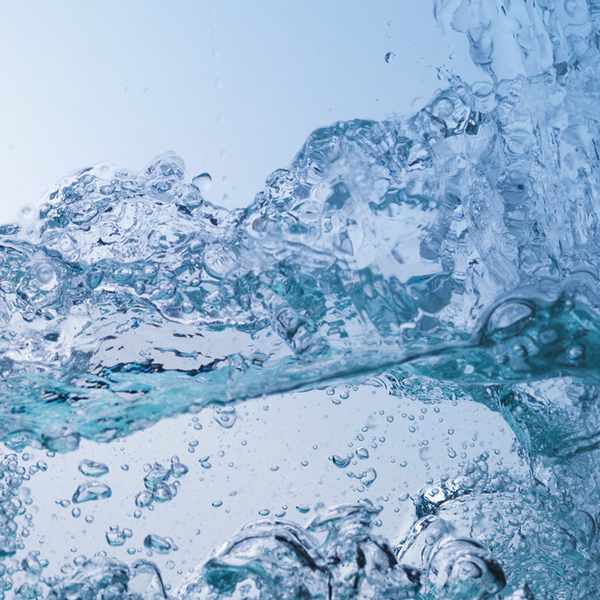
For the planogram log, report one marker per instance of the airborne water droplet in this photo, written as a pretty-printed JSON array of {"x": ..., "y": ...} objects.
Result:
[{"x": 203, "y": 182}]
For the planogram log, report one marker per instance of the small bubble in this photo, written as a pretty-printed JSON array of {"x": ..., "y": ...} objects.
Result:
[
  {"x": 302, "y": 509},
  {"x": 304, "y": 463},
  {"x": 76, "y": 512},
  {"x": 264, "y": 512},
  {"x": 576, "y": 353},
  {"x": 548, "y": 336},
  {"x": 89, "y": 519},
  {"x": 217, "y": 503},
  {"x": 389, "y": 56}
]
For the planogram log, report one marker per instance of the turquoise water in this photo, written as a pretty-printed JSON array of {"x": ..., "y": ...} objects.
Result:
[{"x": 459, "y": 244}]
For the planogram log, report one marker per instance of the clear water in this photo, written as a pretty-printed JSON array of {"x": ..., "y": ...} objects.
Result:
[{"x": 453, "y": 253}]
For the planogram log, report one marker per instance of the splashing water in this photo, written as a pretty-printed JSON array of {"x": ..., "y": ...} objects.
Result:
[{"x": 460, "y": 244}]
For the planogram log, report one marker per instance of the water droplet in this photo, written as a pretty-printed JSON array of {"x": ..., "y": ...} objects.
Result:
[
  {"x": 157, "y": 474},
  {"x": 162, "y": 492},
  {"x": 143, "y": 499},
  {"x": 115, "y": 537},
  {"x": 389, "y": 56},
  {"x": 178, "y": 469},
  {"x": 89, "y": 491},
  {"x": 576, "y": 353},
  {"x": 203, "y": 182},
  {"x": 225, "y": 416},
  {"x": 362, "y": 453},
  {"x": 91, "y": 468},
  {"x": 368, "y": 477},
  {"x": 158, "y": 544}
]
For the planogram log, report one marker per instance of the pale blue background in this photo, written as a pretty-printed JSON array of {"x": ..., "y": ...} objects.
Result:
[{"x": 234, "y": 87}]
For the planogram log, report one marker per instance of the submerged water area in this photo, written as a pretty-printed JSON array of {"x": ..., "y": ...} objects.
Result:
[{"x": 421, "y": 286}]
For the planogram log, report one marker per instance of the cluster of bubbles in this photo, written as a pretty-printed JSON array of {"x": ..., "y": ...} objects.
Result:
[
  {"x": 280, "y": 559},
  {"x": 272, "y": 558},
  {"x": 158, "y": 487}
]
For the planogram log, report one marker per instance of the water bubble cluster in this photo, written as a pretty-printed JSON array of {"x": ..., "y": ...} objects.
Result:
[
  {"x": 157, "y": 482},
  {"x": 338, "y": 556}
]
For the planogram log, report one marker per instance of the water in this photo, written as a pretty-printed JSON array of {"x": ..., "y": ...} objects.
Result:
[{"x": 446, "y": 258}]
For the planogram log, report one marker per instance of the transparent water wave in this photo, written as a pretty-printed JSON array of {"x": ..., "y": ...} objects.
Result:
[{"x": 459, "y": 244}]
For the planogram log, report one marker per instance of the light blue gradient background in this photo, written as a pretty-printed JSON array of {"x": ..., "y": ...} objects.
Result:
[{"x": 234, "y": 87}]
